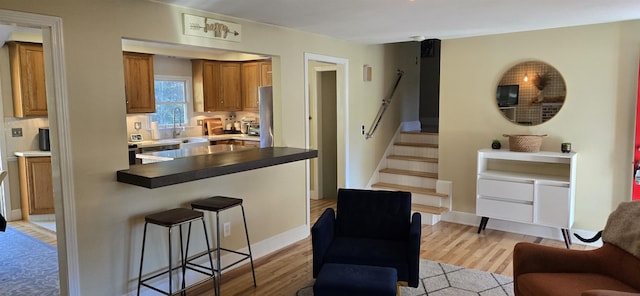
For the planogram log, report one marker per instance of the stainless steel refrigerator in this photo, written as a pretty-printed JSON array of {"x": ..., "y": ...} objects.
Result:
[{"x": 265, "y": 99}]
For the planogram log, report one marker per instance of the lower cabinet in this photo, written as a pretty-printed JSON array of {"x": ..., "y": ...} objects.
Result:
[
  {"x": 36, "y": 185},
  {"x": 251, "y": 143}
]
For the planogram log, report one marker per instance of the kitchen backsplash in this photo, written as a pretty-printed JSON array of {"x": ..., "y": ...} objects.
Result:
[
  {"x": 29, "y": 139},
  {"x": 192, "y": 129}
]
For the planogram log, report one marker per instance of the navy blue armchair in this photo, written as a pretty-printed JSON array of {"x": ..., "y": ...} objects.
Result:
[{"x": 371, "y": 228}]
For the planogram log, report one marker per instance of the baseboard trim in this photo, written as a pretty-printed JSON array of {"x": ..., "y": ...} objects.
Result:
[
  {"x": 520, "y": 228},
  {"x": 15, "y": 215}
]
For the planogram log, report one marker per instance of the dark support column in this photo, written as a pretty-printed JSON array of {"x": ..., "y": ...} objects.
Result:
[{"x": 429, "y": 109}]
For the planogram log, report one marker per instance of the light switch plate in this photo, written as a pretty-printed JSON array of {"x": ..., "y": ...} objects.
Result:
[{"x": 16, "y": 132}]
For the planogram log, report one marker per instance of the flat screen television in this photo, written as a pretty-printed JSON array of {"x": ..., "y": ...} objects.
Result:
[{"x": 507, "y": 95}]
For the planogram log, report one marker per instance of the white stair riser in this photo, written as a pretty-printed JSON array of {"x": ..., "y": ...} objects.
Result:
[
  {"x": 419, "y": 138},
  {"x": 415, "y": 151},
  {"x": 408, "y": 180},
  {"x": 429, "y": 200},
  {"x": 429, "y": 219},
  {"x": 419, "y": 166}
]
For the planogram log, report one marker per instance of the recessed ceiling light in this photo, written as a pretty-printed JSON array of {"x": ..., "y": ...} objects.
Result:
[{"x": 418, "y": 38}]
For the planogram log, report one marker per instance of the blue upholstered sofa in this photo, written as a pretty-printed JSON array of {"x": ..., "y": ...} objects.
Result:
[{"x": 371, "y": 228}]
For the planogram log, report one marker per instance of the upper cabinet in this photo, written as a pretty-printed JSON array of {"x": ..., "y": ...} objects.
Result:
[
  {"x": 265, "y": 73},
  {"x": 231, "y": 92},
  {"x": 250, "y": 84},
  {"x": 206, "y": 85},
  {"x": 216, "y": 86},
  {"x": 254, "y": 75},
  {"x": 27, "y": 79},
  {"x": 138, "y": 82}
]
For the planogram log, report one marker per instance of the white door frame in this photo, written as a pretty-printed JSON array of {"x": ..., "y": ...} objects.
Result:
[
  {"x": 56, "y": 87},
  {"x": 342, "y": 84}
]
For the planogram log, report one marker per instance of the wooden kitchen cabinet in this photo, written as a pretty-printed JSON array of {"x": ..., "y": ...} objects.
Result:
[
  {"x": 139, "y": 82},
  {"x": 251, "y": 144},
  {"x": 250, "y": 83},
  {"x": 206, "y": 85},
  {"x": 216, "y": 86},
  {"x": 231, "y": 90},
  {"x": 36, "y": 185},
  {"x": 265, "y": 73},
  {"x": 254, "y": 75},
  {"x": 28, "y": 79}
]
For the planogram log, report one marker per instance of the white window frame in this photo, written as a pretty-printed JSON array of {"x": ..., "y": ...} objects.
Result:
[{"x": 188, "y": 98}]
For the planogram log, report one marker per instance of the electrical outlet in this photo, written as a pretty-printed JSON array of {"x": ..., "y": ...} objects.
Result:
[
  {"x": 227, "y": 229},
  {"x": 200, "y": 122},
  {"x": 16, "y": 132},
  {"x": 137, "y": 125},
  {"x": 362, "y": 130}
]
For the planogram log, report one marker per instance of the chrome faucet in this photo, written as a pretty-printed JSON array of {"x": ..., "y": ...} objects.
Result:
[{"x": 176, "y": 133}]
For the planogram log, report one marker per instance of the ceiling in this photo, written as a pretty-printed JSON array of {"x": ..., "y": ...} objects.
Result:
[{"x": 388, "y": 21}]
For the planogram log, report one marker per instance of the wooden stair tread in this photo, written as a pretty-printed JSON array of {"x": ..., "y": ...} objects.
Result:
[
  {"x": 411, "y": 144},
  {"x": 428, "y": 209},
  {"x": 410, "y": 173},
  {"x": 413, "y": 158},
  {"x": 419, "y": 190}
]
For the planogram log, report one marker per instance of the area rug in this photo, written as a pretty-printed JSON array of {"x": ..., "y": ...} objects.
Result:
[
  {"x": 27, "y": 266},
  {"x": 439, "y": 279}
]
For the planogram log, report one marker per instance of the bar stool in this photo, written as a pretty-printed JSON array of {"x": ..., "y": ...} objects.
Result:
[
  {"x": 218, "y": 204},
  {"x": 170, "y": 219}
]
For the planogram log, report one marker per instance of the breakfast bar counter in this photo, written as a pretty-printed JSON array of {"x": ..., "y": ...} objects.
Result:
[{"x": 186, "y": 169}]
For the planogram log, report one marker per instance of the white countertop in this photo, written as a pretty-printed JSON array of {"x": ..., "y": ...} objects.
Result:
[
  {"x": 32, "y": 153},
  {"x": 178, "y": 141},
  {"x": 150, "y": 157}
]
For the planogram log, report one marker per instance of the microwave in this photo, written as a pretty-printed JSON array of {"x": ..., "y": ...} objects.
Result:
[{"x": 253, "y": 130}]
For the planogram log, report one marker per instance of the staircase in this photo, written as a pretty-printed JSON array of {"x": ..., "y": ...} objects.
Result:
[{"x": 411, "y": 165}]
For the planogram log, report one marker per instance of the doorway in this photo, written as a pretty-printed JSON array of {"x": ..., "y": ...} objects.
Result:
[
  {"x": 57, "y": 99},
  {"x": 323, "y": 130},
  {"x": 326, "y": 89}
]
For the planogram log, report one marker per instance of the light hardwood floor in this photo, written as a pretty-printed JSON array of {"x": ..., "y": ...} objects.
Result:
[
  {"x": 289, "y": 269},
  {"x": 36, "y": 231}
]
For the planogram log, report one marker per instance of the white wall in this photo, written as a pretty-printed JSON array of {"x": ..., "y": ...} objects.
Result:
[{"x": 600, "y": 67}]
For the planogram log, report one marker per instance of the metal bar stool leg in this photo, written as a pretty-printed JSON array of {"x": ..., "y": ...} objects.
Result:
[
  {"x": 183, "y": 258},
  {"x": 246, "y": 232},
  {"x": 219, "y": 267},
  {"x": 144, "y": 239},
  {"x": 213, "y": 271},
  {"x": 170, "y": 267}
]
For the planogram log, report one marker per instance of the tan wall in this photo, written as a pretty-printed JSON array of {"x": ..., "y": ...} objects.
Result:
[
  {"x": 109, "y": 214},
  {"x": 600, "y": 67}
]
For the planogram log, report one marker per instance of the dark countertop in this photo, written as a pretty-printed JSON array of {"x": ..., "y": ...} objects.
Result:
[{"x": 198, "y": 167}]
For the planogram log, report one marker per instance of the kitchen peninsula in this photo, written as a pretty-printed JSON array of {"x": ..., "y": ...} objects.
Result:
[{"x": 191, "y": 168}]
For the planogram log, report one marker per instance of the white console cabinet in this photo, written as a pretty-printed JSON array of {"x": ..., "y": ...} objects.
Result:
[{"x": 536, "y": 188}]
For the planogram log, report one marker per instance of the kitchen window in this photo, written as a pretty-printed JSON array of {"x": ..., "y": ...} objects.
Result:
[{"x": 172, "y": 100}]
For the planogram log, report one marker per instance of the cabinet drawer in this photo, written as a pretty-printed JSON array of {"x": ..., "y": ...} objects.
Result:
[
  {"x": 505, "y": 189},
  {"x": 553, "y": 206},
  {"x": 504, "y": 210}
]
